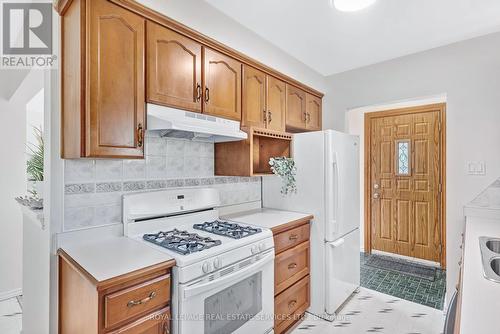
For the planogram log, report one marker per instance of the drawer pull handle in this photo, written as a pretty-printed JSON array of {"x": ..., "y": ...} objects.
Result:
[
  {"x": 293, "y": 237},
  {"x": 292, "y": 303},
  {"x": 292, "y": 266},
  {"x": 133, "y": 303}
]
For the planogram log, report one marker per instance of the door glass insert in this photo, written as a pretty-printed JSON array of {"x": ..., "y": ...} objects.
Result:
[
  {"x": 231, "y": 308},
  {"x": 403, "y": 157}
]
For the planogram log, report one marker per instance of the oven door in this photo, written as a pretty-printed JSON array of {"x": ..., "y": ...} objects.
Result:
[{"x": 237, "y": 299}]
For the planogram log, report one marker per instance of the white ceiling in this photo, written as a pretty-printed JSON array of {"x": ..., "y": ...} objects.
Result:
[{"x": 330, "y": 41}]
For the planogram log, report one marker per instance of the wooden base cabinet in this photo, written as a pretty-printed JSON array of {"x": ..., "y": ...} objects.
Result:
[
  {"x": 291, "y": 274},
  {"x": 103, "y": 81},
  {"x": 135, "y": 303}
]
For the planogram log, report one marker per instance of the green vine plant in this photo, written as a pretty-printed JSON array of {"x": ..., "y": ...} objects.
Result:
[
  {"x": 285, "y": 168},
  {"x": 34, "y": 165}
]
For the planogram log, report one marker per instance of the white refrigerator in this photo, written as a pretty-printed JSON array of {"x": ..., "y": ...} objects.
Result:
[{"x": 327, "y": 186}]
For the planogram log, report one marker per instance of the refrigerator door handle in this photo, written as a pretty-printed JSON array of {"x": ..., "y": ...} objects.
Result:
[
  {"x": 334, "y": 193},
  {"x": 337, "y": 243}
]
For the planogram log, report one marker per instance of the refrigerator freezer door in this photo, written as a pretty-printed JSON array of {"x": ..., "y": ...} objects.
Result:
[
  {"x": 342, "y": 270},
  {"x": 342, "y": 184}
]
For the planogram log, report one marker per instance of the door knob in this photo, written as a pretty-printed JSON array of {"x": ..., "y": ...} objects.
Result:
[{"x": 376, "y": 195}]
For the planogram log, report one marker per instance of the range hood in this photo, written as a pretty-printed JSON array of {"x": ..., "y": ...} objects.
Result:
[{"x": 175, "y": 123}]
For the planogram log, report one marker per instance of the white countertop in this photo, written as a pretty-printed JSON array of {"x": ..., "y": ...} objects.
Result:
[
  {"x": 480, "y": 297},
  {"x": 114, "y": 257},
  {"x": 266, "y": 217},
  {"x": 486, "y": 204}
]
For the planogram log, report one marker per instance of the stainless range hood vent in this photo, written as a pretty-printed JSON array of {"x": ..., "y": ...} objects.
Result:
[{"x": 175, "y": 123}]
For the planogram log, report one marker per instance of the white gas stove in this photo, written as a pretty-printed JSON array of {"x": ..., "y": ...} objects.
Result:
[{"x": 222, "y": 267}]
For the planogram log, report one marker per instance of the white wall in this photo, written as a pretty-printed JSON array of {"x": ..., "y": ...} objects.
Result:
[
  {"x": 13, "y": 183},
  {"x": 469, "y": 74}
]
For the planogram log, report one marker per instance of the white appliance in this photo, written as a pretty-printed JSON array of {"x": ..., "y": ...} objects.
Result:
[
  {"x": 327, "y": 186},
  {"x": 223, "y": 269},
  {"x": 177, "y": 123}
]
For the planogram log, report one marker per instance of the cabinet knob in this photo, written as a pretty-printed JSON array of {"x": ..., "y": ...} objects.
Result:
[
  {"x": 308, "y": 117},
  {"x": 140, "y": 135},
  {"x": 305, "y": 117}
]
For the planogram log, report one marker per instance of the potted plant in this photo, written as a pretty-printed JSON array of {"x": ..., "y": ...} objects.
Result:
[
  {"x": 285, "y": 168},
  {"x": 34, "y": 165}
]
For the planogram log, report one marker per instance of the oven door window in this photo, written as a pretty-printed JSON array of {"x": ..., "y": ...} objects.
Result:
[{"x": 232, "y": 307}]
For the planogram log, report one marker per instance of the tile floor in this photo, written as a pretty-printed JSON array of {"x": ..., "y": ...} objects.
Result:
[
  {"x": 418, "y": 290},
  {"x": 11, "y": 316},
  {"x": 374, "y": 312}
]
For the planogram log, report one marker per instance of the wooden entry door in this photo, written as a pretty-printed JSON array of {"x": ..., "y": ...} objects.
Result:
[{"x": 404, "y": 182}]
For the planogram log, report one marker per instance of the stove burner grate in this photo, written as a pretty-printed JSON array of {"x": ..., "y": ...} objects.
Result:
[
  {"x": 227, "y": 229},
  {"x": 181, "y": 242}
]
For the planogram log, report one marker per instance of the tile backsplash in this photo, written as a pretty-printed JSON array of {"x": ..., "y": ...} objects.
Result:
[{"x": 93, "y": 188}]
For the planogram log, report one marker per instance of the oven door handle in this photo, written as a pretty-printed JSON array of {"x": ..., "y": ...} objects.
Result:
[{"x": 196, "y": 289}]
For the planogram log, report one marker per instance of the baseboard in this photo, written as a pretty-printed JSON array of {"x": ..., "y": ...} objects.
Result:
[
  {"x": 10, "y": 294},
  {"x": 407, "y": 258}
]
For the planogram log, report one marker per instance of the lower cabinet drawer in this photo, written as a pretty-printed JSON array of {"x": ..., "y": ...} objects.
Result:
[
  {"x": 290, "y": 305},
  {"x": 155, "y": 323},
  {"x": 123, "y": 305},
  {"x": 290, "y": 266},
  {"x": 291, "y": 238}
]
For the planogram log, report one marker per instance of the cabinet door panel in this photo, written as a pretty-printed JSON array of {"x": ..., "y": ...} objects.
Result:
[
  {"x": 174, "y": 69},
  {"x": 276, "y": 104},
  {"x": 156, "y": 323},
  {"x": 117, "y": 110},
  {"x": 296, "y": 108},
  {"x": 313, "y": 110},
  {"x": 254, "y": 97},
  {"x": 222, "y": 76}
]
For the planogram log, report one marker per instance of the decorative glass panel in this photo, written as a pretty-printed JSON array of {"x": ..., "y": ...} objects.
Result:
[{"x": 403, "y": 157}]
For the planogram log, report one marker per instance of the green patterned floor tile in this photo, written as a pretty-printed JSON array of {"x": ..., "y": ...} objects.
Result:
[{"x": 403, "y": 286}]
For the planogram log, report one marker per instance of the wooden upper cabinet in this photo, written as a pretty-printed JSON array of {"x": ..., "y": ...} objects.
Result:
[
  {"x": 295, "y": 108},
  {"x": 117, "y": 110},
  {"x": 103, "y": 85},
  {"x": 254, "y": 98},
  {"x": 264, "y": 100},
  {"x": 313, "y": 112},
  {"x": 276, "y": 104},
  {"x": 173, "y": 68},
  {"x": 222, "y": 78}
]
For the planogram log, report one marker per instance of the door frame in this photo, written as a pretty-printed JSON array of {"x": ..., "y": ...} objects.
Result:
[{"x": 369, "y": 116}]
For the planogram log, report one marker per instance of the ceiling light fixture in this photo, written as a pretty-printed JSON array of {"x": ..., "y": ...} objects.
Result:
[{"x": 351, "y": 5}]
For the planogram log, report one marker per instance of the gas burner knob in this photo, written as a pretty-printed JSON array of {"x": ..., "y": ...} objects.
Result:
[
  {"x": 216, "y": 263},
  {"x": 254, "y": 249},
  {"x": 262, "y": 246},
  {"x": 205, "y": 267}
]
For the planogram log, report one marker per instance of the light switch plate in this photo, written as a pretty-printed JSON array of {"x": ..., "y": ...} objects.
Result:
[{"x": 476, "y": 168}]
